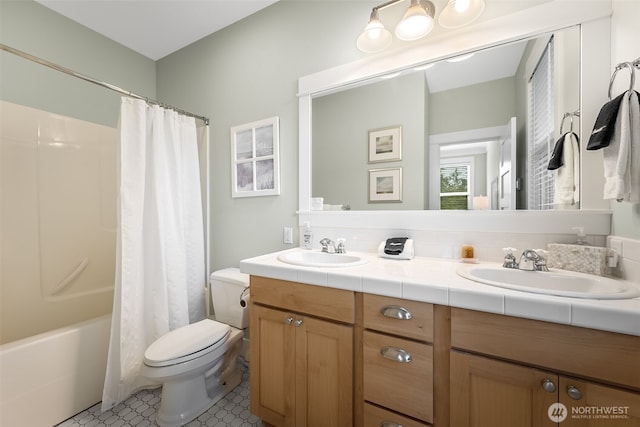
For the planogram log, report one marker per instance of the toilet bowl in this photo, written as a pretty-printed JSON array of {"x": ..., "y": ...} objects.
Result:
[{"x": 197, "y": 363}]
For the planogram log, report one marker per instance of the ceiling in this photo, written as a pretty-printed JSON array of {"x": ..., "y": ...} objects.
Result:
[{"x": 156, "y": 28}]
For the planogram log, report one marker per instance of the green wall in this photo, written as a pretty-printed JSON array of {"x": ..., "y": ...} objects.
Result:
[
  {"x": 32, "y": 28},
  {"x": 472, "y": 107}
]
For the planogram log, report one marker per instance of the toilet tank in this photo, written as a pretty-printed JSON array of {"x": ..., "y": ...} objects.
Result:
[{"x": 229, "y": 297}]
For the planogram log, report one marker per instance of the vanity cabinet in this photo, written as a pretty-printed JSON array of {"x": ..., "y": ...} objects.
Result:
[
  {"x": 301, "y": 354},
  {"x": 511, "y": 371},
  {"x": 397, "y": 361}
]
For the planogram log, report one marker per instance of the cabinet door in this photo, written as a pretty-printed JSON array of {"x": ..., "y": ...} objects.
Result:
[
  {"x": 272, "y": 365},
  {"x": 595, "y": 405},
  {"x": 488, "y": 393},
  {"x": 324, "y": 373}
]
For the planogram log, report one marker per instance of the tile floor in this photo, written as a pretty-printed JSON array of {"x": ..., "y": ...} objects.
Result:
[{"x": 140, "y": 411}]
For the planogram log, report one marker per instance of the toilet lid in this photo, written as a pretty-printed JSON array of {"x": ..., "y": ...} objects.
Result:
[{"x": 185, "y": 343}]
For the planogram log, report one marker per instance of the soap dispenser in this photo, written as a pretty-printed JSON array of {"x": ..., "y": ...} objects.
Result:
[
  {"x": 581, "y": 238},
  {"x": 307, "y": 236}
]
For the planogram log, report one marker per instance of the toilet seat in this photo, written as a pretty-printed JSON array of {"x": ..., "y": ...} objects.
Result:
[{"x": 187, "y": 343}]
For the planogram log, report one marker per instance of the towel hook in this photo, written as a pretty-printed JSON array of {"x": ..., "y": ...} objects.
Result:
[
  {"x": 570, "y": 116},
  {"x": 619, "y": 67}
]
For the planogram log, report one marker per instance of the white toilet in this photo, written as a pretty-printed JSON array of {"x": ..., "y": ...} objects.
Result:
[{"x": 196, "y": 364}]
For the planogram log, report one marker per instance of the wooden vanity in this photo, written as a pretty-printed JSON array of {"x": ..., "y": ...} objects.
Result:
[{"x": 330, "y": 357}]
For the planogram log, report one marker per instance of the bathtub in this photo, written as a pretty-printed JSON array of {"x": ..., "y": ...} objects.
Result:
[{"x": 47, "y": 378}]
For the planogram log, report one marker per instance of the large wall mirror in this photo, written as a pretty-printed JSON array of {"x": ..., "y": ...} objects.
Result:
[
  {"x": 472, "y": 132},
  {"x": 459, "y": 129}
]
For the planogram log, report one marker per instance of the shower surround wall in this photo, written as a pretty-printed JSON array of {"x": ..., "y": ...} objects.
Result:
[
  {"x": 58, "y": 221},
  {"x": 58, "y": 260}
]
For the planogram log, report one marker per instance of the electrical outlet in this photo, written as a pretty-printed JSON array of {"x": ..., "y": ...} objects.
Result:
[{"x": 287, "y": 235}]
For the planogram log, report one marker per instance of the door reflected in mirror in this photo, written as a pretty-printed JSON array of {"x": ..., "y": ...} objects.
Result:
[{"x": 476, "y": 133}]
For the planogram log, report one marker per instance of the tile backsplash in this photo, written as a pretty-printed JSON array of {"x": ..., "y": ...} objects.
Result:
[
  {"x": 628, "y": 251},
  {"x": 581, "y": 258}
]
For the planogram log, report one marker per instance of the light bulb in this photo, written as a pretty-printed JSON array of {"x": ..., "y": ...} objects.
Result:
[
  {"x": 375, "y": 37},
  {"x": 461, "y": 5},
  {"x": 417, "y": 21}
]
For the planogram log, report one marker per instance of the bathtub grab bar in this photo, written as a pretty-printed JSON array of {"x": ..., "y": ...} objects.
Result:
[{"x": 60, "y": 286}]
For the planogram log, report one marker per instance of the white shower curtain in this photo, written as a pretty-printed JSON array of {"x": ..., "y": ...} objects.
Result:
[{"x": 160, "y": 273}]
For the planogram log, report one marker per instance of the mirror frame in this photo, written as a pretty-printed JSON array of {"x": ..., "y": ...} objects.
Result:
[{"x": 594, "y": 18}]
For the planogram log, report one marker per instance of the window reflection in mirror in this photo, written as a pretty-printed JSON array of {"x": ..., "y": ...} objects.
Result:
[{"x": 449, "y": 111}]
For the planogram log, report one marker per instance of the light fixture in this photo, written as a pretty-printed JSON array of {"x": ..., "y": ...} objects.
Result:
[
  {"x": 458, "y": 13},
  {"x": 417, "y": 22},
  {"x": 375, "y": 36}
]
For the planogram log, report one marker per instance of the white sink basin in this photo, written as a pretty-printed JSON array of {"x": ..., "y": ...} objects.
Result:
[
  {"x": 308, "y": 258},
  {"x": 554, "y": 282}
]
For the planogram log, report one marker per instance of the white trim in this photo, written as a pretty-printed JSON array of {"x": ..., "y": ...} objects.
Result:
[
  {"x": 516, "y": 222},
  {"x": 526, "y": 23}
]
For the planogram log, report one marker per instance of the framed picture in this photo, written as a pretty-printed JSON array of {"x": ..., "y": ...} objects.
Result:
[
  {"x": 385, "y": 145},
  {"x": 385, "y": 185},
  {"x": 255, "y": 165}
]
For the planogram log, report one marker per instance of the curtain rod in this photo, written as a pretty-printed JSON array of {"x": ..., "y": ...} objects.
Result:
[{"x": 97, "y": 82}]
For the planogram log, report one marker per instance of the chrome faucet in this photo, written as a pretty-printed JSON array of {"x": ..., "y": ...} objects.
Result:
[
  {"x": 337, "y": 249},
  {"x": 531, "y": 260}
]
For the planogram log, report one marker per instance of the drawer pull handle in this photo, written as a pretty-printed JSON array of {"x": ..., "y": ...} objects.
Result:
[
  {"x": 396, "y": 312},
  {"x": 548, "y": 385},
  {"x": 574, "y": 393},
  {"x": 396, "y": 354},
  {"x": 390, "y": 424}
]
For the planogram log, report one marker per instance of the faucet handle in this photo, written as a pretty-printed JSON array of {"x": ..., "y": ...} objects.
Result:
[
  {"x": 325, "y": 244},
  {"x": 340, "y": 248},
  {"x": 509, "y": 259},
  {"x": 540, "y": 264}
]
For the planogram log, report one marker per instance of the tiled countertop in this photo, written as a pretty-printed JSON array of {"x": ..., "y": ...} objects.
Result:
[{"x": 435, "y": 280}]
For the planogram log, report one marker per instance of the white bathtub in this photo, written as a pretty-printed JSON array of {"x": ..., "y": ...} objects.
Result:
[{"x": 50, "y": 377}]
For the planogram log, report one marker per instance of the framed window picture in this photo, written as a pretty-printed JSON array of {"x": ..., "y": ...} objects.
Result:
[
  {"x": 385, "y": 145},
  {"x": 255, "y": 165},
  {"x": 385, "y": 185}
]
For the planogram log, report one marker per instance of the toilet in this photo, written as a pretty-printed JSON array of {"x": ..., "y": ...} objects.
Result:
[{"x": 196, "y": 363}]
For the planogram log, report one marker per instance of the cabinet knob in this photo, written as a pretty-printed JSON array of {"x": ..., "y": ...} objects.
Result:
[
  {"x": 390, "y": 424},
  {"x": 396, "y": 312},
  {"x": 574, "y": 393},
  {"x": 289, "y": 320},
  {"x": 298, "y": 323},
  {"x": 548, "y": 385},
  {"x": 396, "y": 354}
]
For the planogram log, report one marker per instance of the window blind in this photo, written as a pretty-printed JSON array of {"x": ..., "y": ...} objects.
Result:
[{"x": 541, "y": 132}]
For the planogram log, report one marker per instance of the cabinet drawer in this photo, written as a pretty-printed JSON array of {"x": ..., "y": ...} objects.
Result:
[
  {"x": 567, "y": 349},
  {"x": 376, "y": 417},
  {"x": 396, "y": 316},
  {"x": 329, "y": 303},
  {"x": 403, "y": 379}
]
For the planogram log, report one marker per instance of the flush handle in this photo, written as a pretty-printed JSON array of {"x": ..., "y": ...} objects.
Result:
[
  {"x": 574, "y": 393},
  {"x": 396, "y": 312},
  {"x": 396, "y": 354},
  {"x": 548, "y": 385}
]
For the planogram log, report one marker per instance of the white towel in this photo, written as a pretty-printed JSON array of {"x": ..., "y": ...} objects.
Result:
[
  {"x": 567, "y": 182},
  {"x": 621, "y": 159}
]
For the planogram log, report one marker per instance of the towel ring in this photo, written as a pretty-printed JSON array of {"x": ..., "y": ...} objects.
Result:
[
  {"x": 562, "y": 122},
  {"x": 619, "y": 67}
]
